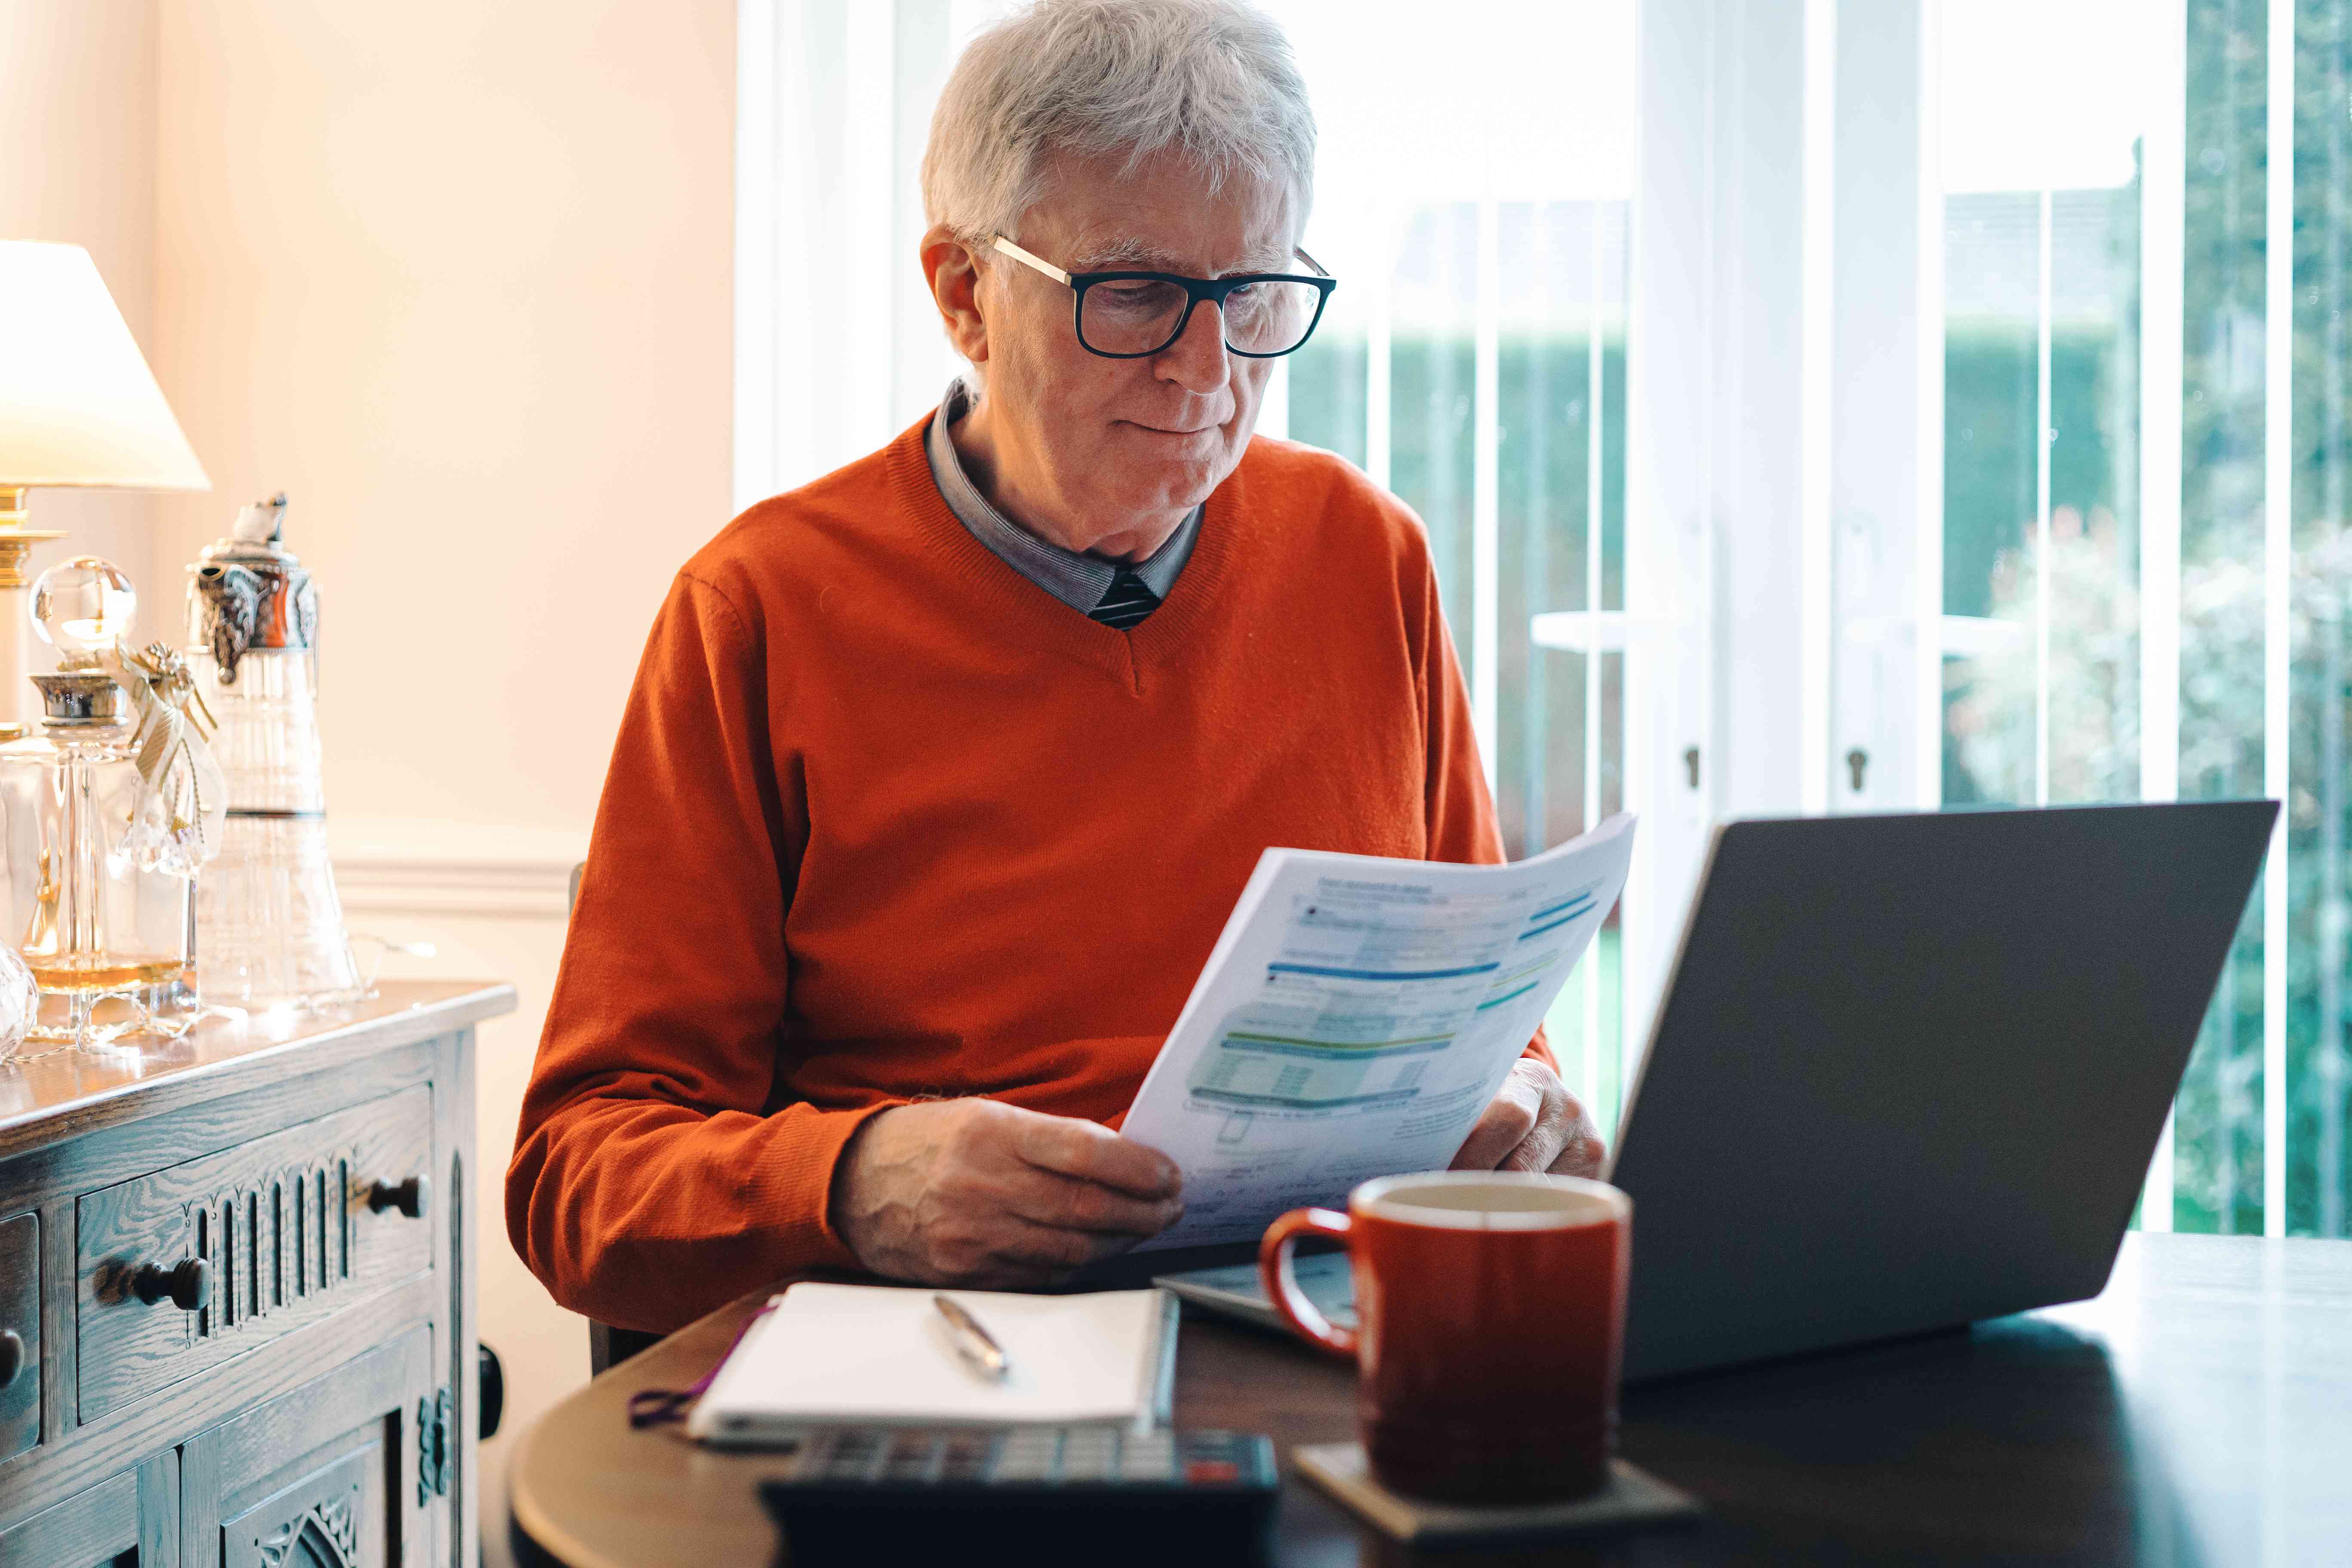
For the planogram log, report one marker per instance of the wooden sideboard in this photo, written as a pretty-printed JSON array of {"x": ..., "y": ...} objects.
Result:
[{"x": 236, "y": 1299}]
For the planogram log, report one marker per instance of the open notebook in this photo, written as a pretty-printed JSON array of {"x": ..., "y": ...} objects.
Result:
[{"x": 872, "y": 1354}]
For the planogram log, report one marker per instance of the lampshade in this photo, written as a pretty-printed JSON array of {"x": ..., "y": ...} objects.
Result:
[{"x": 78, "y": 404}]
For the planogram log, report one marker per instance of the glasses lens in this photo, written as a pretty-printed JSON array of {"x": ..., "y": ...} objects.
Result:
[
  {"x": 1131, "y": 316},
  {"x": 1269, "y": 318}
]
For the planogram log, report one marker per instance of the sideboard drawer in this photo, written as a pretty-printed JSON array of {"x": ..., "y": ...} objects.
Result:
[
  {"x": 20, "y": 1333},
  {"x": 191, "y": 1266}
]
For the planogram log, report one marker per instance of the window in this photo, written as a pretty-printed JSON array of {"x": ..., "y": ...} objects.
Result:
[
  {"x": 1474, "y": 360},
  {"x": 2143, "y": 500}
]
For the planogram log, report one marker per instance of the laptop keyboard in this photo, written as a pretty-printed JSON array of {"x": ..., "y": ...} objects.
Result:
[{"x": 1324, "y": 1278}]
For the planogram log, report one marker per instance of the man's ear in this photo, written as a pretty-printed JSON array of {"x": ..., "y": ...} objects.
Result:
[{"x": 955, "y": 275}]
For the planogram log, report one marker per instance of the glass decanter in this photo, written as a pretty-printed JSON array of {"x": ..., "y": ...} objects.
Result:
[
  {"x": 109, "y": 939},
  {"x": 271, "y": 920}
]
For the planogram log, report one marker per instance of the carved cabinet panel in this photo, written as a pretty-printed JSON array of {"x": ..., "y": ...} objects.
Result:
[
  {"x": 323, "y": 1478},
  {"x": 318, "y": 1521}
]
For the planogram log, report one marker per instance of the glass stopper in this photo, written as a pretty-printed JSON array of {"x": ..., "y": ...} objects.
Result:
[{"x": 83, "y": 605}]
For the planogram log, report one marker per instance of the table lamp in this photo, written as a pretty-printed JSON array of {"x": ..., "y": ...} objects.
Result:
[{"x": 78, "y": 406}]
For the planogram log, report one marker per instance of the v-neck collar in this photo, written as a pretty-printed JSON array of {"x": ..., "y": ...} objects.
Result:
[
  {"x": 1078, "y": 580},
  {"x": 1037, "y": 618}
]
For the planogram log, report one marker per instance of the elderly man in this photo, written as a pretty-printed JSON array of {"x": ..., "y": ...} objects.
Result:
[{"x": 941, "y": 774}]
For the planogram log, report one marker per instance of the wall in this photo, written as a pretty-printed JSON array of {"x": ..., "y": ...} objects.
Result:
[{"x": 457, "y": 278}]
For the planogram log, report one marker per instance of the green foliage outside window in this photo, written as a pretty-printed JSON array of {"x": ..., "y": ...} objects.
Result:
[{"x": 2094, "y": 574}]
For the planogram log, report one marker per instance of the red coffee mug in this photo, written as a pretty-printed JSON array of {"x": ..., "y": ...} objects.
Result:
[{"x": 1492, "y": 1313}]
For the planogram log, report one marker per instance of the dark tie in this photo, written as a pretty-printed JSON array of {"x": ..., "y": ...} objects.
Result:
[{"x": 1126, "y": 602}]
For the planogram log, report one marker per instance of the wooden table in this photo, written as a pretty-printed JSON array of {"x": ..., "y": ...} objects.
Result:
[{"x": 2199, "y": 1412}]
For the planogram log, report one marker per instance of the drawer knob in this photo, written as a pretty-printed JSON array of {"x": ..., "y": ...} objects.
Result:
[
  {"x": 187, "y": 1284},
  {"x": 412, "y": 1197},
  {"x": 12, "y": 1356}
]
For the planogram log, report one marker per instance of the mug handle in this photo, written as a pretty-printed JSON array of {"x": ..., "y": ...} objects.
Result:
[{"x": 1282, "y": 1284}]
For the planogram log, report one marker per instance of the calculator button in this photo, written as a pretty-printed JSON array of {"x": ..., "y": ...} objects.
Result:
[
  {"x": 1211, "y": 1472},
  {"x": 1028, "y": 1457},
  {"x": 1090, "y": 1456},
  {"x": 1148, "y": 1458},
  {"x": 967, "y": 1457},
  {"x": 854, "y": 1457},
  {"x": 913, "y": 1457}
]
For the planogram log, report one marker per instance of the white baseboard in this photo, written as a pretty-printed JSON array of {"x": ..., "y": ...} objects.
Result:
[{"x": 429, "y": 867}]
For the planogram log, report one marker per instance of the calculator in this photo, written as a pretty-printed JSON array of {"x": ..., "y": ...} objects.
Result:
[{"x": 1087, "y": 1493}]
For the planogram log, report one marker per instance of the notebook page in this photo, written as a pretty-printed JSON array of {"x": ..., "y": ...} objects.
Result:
[{"x": 853, "y": 1353}]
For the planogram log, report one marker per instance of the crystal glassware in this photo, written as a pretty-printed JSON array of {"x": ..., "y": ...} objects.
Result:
[
  {"x": 268, "y": 912},
  {"x": 108, "y": 937},
  {"x": 20, "y": 1002}
]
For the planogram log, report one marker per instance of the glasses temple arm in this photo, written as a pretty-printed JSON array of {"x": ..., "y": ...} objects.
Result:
[{"x": 1047, "y": 267}]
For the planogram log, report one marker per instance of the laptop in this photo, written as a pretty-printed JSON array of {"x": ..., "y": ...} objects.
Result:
[{"x": 1909, "y": 1073}]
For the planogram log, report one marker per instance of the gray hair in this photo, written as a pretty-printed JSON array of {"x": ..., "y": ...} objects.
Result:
[{"x": 1213, "y": 79}]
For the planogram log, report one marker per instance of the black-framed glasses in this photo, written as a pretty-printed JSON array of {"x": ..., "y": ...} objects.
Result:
[{"x": 1134, "y": 315}]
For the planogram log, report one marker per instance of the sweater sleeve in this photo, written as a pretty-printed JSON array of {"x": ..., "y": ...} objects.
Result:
[
  {"x": 655, "y": 1176},
  {"x": 1457, "y": 809}
]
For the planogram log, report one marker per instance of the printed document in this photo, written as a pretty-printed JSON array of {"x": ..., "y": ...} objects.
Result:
[{"x": 1354, "y": 1016}]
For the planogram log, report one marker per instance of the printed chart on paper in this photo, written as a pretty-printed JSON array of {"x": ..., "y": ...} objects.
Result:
[{"x": 1356, "y": 1015}]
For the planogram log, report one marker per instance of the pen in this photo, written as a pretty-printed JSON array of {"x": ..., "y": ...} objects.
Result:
[{"x": 975, "y": 1344}]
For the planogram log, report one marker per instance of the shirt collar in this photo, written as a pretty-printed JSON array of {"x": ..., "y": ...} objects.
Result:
[{"x": 1077, "y": 580}]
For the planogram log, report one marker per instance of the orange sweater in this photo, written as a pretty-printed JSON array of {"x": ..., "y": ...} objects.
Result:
[{"x": 884, "y": 820}]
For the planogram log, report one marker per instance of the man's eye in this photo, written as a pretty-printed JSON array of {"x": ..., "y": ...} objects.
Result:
[{"x": 1134, "y": 300}]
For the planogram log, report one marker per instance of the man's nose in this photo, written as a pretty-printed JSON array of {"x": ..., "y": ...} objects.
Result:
[{"x": 1197, "y": 361}]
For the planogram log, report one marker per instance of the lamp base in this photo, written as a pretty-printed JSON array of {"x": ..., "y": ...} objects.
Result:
[{"x": 16, "y": 541}]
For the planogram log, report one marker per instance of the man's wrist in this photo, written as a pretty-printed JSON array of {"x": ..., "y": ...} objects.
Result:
[{"x": 840, "y": 1200}]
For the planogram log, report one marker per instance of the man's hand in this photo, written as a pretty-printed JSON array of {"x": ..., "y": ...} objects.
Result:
[
  {"x": 1534, "y": 1124},
  {"x": 975, "y": 1192}
]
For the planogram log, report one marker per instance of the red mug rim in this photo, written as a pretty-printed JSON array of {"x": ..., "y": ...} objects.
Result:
[{"x": 1591, "y": 1203}]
